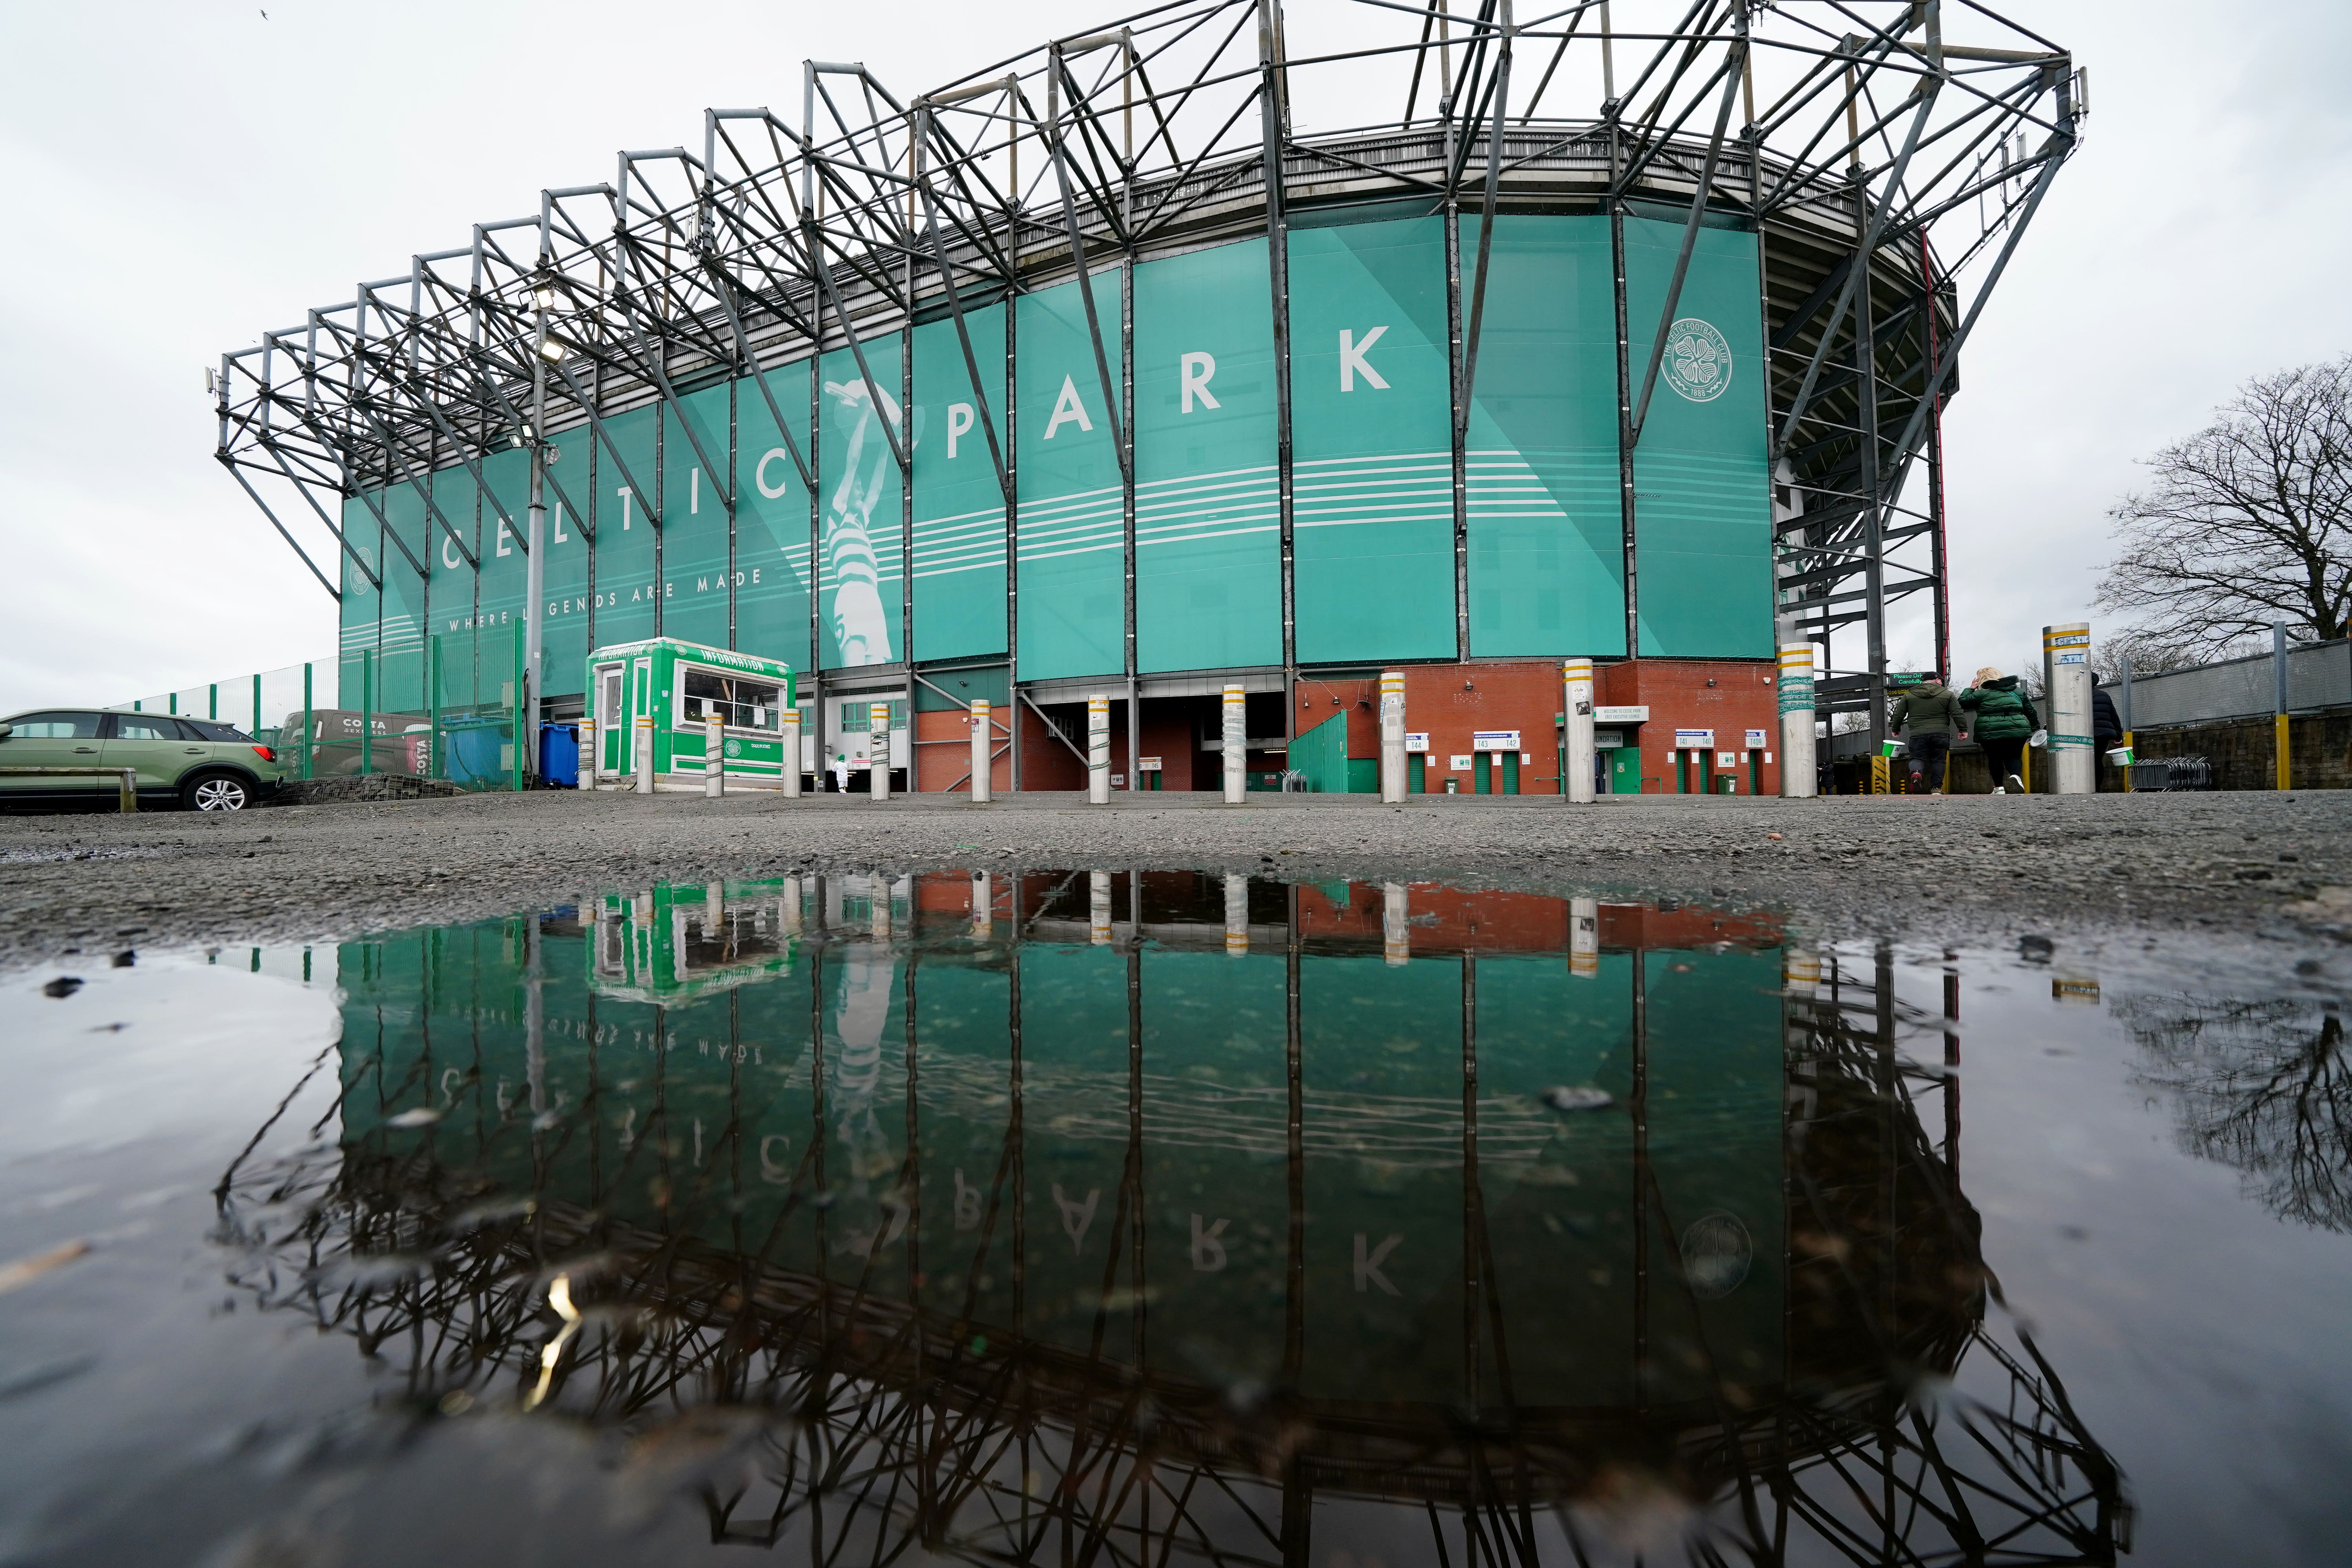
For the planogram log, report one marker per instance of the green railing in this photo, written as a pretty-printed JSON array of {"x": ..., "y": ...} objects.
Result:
[{"x": 447, "y": 709}]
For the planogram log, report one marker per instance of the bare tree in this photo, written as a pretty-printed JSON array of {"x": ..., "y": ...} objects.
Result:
[
  {"x": 2148, "y": 656},
  {"x": 2263, "y": 1086},
  {"x": 2249, "y": 520}
]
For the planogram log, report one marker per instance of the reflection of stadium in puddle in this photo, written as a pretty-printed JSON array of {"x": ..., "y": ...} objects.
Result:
[{"x": 1172, "y": 1213}]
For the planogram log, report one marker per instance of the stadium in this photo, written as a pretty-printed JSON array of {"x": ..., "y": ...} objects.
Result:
[{"x": 1231, "y": 343}]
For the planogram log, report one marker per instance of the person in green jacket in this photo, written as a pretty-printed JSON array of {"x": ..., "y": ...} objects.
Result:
[
  {"x": 1930, "y": 719},
  {"x": 2005, "y": 719}
]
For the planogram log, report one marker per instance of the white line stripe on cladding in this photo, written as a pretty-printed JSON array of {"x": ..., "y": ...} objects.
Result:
[
  {"x": 1446, "y": 457},
  {"x": 1031, "y": 516},
  {"x": 996, "y": 510},
  {"x": 1077, "y": 531},
  {"x": 1161, "y": 492},
  {"x": 1220, "y": 533},
  {"x": 1202, "y": 506},
  {"x": 1070, "y": 496},
  {"x": 1351, "y": 523},
  {"x": 1218, "y": 521},
  {"x": 945, "y": 557},
  {"x": 1362, "y": 481},
  {"x": 1338, "y": 492},
  {"x": 1229, "y": 509},
  {"x": 953, "y": 571},
  {"x": 1202, "y": 479},
  {"x": 925, "y": 538},
  {"x": 1361, "y": 510},
  {"x": 1088, "y": 550}
]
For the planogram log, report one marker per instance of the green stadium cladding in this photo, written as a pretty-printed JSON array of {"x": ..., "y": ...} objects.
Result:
[
  {"x": 821, "y": 581},
  {"x": 1104, "y": 376},
  {"x": 1372, "y": 411}
]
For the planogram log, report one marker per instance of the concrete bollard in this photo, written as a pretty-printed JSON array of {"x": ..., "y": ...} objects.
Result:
[
  {"x": 1099, "y": 751},
  {"x": 588, "y": 756},
  {"x": 1098, "y": 908},
  {"x": 1797, "y": 779},
  {"x": 982, "y": 762},
  {"x": 1396, "y": 925},
  {"x": 1236, "y": 917},
  {"x": 791, "y": 753},
  {"x": 1236, "y": 739},
  {"x": 792, "y": 906},
  {"x": 1576, "y": 712},
  {"x": 2066, "y": 676},
  {"x": 878, "y": 751},
  {"x": 645, "y": 739},
  {"x": 1584, "y": 938},
  {"x": 1800, "y": 973},
  {"x": 983, "y": 906},
  {"x": 714, "y": 912},
  {"x": 1393, "y": 766},
  {"x": 878, "y": 893},
  {"x": 714, "y": 757}
]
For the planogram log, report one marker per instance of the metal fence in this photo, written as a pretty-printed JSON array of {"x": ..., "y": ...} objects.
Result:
[
  {"x": 2318, "y": 675},
  {"x": 452, "y": 717},
  {"x": 269, "y": 705}
]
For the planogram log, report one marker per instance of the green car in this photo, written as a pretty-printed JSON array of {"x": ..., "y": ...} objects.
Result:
[{"x": 200, "y": 763}]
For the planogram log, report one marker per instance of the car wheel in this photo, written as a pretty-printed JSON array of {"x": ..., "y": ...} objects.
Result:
[{"x": 216, "y": 791}]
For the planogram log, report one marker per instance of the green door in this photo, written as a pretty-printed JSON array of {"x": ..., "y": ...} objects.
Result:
[
  {"x": 1510, "y": 772},
  {"x": 1626, "y": 771},
  {"x": 154, "y": 744},
  {"x": 57, "y": 739},
  {"x": 612, "y": 719},
  {"x": 1416, "y": 768},
  {"x": 1482, "y": 772}
]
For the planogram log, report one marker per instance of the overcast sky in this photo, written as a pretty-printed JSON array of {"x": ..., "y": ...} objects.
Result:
[{"x": 188, "y": 173}]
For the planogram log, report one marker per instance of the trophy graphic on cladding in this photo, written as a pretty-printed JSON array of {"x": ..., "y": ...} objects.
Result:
[{"x": 861, "y": 629}]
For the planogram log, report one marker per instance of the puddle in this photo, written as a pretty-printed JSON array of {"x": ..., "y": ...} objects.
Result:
[{"x": 1110, "y": 1217}]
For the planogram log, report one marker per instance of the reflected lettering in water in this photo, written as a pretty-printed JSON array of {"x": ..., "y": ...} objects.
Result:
[{"x": 1122, "y": 1217}]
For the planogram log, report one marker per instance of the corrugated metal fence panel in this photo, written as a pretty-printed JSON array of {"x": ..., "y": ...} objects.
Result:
[{"x": 2319, "y": 674}]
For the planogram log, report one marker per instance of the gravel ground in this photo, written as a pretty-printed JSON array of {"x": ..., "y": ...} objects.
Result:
[{"x": 1978, "y": 867}]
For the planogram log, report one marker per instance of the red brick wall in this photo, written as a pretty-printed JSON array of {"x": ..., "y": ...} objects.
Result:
[
  {"x": 1451, "y": 700},
  {"x": 1521, "y": 922},
  {"x": 1727, "y": 696},
  {"x": 1046, "y": 762},
  {"x": 943, "y": 752},
  {"x": 1167, "y": 735}
]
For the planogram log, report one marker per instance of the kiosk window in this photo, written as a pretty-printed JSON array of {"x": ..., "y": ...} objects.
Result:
[{"x": 743, "y": 702}]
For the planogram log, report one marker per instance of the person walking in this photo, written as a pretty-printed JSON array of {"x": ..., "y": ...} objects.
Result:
[
  {"x": 1930, "y": 719},
  {"x": 2003, "y": 717},
  {"x": 2107, "y": 731}
]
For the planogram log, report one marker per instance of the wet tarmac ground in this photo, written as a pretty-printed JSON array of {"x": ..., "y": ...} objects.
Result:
[
  {"x": 1963, "y": 868},
  {"x": 992, "y": 1212}
]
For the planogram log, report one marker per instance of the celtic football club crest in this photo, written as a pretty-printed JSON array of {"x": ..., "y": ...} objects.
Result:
[{"x": 1698, "y": 361}]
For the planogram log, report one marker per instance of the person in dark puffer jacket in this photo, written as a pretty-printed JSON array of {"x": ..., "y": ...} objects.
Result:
[
  {"x": 2005, "y": 719},
  {"x": 1930, "y": 720}
]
